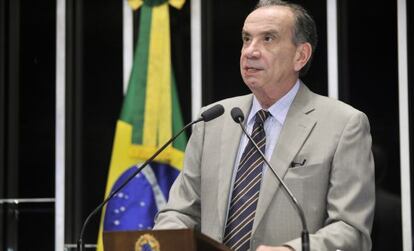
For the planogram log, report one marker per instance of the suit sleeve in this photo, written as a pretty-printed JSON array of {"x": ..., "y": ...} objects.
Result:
[
  {"x": 351, "y": 193},
  {"x": 183, "y": 207}
]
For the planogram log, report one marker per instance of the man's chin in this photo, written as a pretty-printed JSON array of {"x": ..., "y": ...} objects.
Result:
[{"x": 252, "y": 83}]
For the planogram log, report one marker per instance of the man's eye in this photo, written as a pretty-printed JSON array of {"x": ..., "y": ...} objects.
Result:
[
  {"x": 246, "y": 39},
  {"x": 268, "y": 38}
]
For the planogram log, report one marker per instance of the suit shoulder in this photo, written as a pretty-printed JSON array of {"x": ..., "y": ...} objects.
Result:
[
  {"x": 334, "y": 106},
  {"x": 334, "y": 112}
]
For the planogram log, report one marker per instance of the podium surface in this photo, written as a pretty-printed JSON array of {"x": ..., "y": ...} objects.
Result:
[{"x": 161, "y": 240}]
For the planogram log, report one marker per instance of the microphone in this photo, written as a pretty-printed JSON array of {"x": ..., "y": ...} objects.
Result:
[
  {"x": 212, "y": 113},
  {"x": 206, "y": 116},
  {"x": 238, "y": 117}
]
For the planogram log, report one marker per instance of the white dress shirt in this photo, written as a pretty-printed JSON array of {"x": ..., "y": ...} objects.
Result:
[{"x": 273, "y": 125}]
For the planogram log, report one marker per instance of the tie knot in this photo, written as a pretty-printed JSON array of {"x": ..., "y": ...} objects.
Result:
[{"x": 261, "y": 116}]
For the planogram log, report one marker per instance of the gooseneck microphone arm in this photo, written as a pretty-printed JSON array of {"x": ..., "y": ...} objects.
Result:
[
  {"x": 206, "y": 116},
  {"x": 238, "y": 117}
]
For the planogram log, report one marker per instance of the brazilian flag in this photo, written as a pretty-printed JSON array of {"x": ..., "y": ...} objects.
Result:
[{"x": 150, "y": 117}]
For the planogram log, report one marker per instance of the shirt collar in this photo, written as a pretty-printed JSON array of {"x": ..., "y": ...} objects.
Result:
[{"x": 279, "y": 109}]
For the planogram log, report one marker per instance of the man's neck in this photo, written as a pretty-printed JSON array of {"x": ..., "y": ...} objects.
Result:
[{"x": 267, "y": 97}]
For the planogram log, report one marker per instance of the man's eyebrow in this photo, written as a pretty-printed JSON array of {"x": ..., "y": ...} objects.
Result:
[
  {"x": 271, "y": 32},
  {"x": 245, "y": 33},
  {"x": 266, "y": 32}
]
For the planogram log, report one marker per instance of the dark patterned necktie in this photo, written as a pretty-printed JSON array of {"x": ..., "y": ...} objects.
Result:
[{"x": 246, "y": 189}]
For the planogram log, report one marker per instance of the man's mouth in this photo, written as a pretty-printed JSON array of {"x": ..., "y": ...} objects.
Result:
[{"x": 252, "y": 69}]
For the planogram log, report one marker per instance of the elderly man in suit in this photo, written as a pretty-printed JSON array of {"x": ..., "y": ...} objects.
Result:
[{"x": 321, "y": 148}]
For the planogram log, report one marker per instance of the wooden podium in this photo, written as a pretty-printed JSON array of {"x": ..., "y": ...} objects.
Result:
[{"x": 161, "y": 240}]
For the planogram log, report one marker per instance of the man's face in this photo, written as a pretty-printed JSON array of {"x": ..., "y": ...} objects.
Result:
[{"x": 268, "y": 57}]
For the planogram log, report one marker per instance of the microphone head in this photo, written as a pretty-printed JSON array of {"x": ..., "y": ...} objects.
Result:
[
  {"x": 237, "y": 115},
  {"x": 212, "y": 113}
]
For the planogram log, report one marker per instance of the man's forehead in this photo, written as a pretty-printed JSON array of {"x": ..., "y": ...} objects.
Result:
[{"x": 272, "y": 17}]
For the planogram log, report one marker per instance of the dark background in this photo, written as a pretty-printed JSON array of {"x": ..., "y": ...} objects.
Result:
[{"x": 368, "y": 71}]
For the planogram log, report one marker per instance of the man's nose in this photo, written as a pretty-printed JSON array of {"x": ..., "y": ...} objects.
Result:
[{"x": 252, "y": 50}]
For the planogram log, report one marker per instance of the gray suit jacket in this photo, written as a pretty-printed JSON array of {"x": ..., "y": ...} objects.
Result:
[{"x": 335, "y": 185}]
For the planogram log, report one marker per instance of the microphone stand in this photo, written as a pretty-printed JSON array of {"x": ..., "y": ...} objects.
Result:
[
  {"x": 80, "y": 244},
  {"x": 305, "y": 232}
]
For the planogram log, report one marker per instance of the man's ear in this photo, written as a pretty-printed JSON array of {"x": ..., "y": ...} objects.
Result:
[{"x": 303, "y": 54}]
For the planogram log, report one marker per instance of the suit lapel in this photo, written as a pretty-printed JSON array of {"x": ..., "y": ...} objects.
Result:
[
  {"x": 294, "y": 133},
  {"x": 229, "y": 145}
]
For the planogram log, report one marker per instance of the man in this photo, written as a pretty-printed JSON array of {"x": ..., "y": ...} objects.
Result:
[{"x": 319, "y": 146}]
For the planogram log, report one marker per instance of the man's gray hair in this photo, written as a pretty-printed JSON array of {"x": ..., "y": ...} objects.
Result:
[{"x": 304, "y": 28}]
